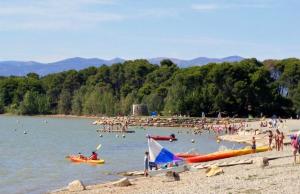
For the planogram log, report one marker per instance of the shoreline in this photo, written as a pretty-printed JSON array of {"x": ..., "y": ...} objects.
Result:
[
  {"x": 233, "y": 179},
  {"x": 54, "y": 116}
]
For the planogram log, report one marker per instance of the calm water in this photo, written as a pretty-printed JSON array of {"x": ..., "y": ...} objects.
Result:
[{"x": 35, "y": 162}]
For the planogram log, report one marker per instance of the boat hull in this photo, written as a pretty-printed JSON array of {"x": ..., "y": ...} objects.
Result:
[
  {"x": 163, "y": 138},
  {"x": 224, "y": 154}
]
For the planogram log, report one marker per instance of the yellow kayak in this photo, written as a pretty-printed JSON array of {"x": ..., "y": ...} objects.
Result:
[{"x": 77, "y": 159}]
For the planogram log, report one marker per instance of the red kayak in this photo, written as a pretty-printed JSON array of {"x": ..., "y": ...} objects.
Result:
[{"x": 163, "y": 138}]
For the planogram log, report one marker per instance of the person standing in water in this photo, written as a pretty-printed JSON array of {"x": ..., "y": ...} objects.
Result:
[{"x": 146, "y": 163}]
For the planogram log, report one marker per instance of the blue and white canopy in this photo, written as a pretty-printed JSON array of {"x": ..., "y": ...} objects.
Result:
[{"x": 159, "y": 154}]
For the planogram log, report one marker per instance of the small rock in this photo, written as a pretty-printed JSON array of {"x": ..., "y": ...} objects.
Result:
[
  {"x": 261, "y": 161},
  {"x": 124, "y": 182},
  {"x": 213, "y": 171},
  {"x": 76, "y": 185},
  {"x": 172, "y": 176}
]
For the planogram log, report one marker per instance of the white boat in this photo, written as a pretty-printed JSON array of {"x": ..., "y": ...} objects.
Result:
[{"x": 161, "y": 171}]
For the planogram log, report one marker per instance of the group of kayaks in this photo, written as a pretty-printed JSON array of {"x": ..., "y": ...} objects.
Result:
[
  {"x": 196, "y": 158},
  {"x": 188, "y": 157}
]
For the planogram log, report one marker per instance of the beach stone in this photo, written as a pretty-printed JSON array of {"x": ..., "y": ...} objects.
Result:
[
  {"x": 124, "y": 182},
  {"x": 213, "y": 171},
  {"x": 261, "y": 162},
  {"x": 76, "y": 185},
  {"x": 172, "y": 176}
]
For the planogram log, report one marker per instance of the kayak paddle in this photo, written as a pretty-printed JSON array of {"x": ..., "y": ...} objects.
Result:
[{"x": 98, "y": 147}]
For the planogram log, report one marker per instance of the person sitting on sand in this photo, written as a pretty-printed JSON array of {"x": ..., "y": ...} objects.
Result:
[
  {"x": 253, "y": 144},
  {"x": 295, "y": 146},
  {"x": 146, "y": 163},
  {"x": 94, "y": 156},
  {"x": 270, "y": 139}
]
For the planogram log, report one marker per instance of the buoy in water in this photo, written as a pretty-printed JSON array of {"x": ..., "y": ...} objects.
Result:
[
  {"x": 123, "y": 136},
  {"x": 100, "y": 135},
  {"x": 193, "y": 141},
  {"x": 25, "y": 132},
  {"x": 171, "y": 140}
]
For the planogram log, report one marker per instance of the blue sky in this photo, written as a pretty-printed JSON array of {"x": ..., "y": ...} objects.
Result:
[{"x": 50, "y": 30}]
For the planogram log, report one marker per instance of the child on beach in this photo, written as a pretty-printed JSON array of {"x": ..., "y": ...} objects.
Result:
[
  {"x": 253, "y": 144},
  {"x": 146, "y": 163}
]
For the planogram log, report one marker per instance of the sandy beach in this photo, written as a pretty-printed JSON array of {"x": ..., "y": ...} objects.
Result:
[{"x": 280, "y": 176}]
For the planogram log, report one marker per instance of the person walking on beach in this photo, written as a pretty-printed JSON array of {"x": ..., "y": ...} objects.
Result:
[
  {"x": 270, "y": 139},
  {"x": 146, "y": 163},
  {"x": 281, "y": 137},
  {"x": 277, "y": 143},
  {"x": 295, "y": 147},
  {"x": 253, "y": 144}
]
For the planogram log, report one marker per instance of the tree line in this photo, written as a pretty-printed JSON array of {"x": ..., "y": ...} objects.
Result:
[{"x": 248, "y": 87}]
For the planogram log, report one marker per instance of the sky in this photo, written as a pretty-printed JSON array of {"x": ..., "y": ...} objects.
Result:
[{"x": 51, "y": 30}]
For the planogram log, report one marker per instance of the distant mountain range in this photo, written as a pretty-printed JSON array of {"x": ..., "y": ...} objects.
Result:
[{"x": 20, "y": 68}]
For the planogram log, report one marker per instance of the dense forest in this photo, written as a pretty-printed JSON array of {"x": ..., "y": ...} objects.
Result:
[{"x": 235, "y": 89}]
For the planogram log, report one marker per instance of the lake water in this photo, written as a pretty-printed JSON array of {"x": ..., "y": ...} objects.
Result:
[{"x": 35, "y": 162}]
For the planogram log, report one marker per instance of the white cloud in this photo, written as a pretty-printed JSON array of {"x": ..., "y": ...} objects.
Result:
[
  {"x": 51, "y": 14},
  {"x": 229, "y": 4},
  {"x": 205, "y": 7}
]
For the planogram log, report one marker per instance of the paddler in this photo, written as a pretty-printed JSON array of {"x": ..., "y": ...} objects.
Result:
[
  {"x": 94, "y": 156},
  {"x": 81, "y": 156}
]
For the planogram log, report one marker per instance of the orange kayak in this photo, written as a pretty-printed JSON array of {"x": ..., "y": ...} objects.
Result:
[
  {"x": 77, "y": 159},
  {"x": 224, "y": 154}
]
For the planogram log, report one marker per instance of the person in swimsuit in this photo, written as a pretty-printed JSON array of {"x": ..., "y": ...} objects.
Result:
[
  {"x": 295, "y": 146},
  {"x": 253, "y": 144},
  {"x": 277, "y": 143},
  {"x": 146, "y": 163},
  {"x": 281, "y": 137},
  {"x": 270, "y": 139}
]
